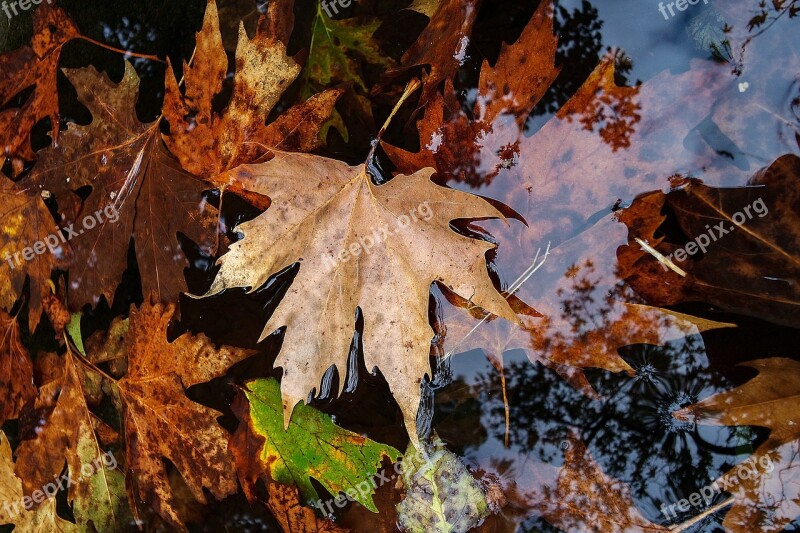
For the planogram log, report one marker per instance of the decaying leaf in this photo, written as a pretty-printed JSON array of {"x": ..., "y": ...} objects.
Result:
[
  {"x": 312, "y": 446},
  {"x": 319, "y": 221},
  {"x": 442, "y": 45},
  {"x": 767, "y": 498},
  {"x": 42, "y": 519},
  {"x": 207, "y": 143},
  {"x": 440, "y": 493},
  {"x": 161, "y": 423},
  {"x": 743, "y": 245},
  {"x": 138, "y": 191},
  {"x": 25, "y": 221},
  {"x": 68, "y": 433},
  {"x": 16, "y": 370},
  {"x": 35, "y": 66}
]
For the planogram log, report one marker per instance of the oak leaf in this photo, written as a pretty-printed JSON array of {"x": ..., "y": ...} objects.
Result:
[
  {"x": 312, "y": 446},
  {"x": 768, "y": 498},
  {"x": 208, "y": 143},
  {"x": 161, "y": 423},
  {"x": 137, "y": 188},
  {"x": 34, "y": 65},
  {"x": 333, "y": 211}
]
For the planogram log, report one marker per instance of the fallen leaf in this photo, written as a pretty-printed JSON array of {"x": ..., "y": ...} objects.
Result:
[
  {"x": 311, "y": 447},
  {"x": 743, "y": 249},
  {"x": 41, "y": 520},
  {"x": 16, "y": 370},
  {"x": 440, "y": 493},
  {"x": 321, "y": 219},
  {"x": 207, "y": 143},
  {"x": 68, "y": 432},
  {"x": 161, "y": 423},
  {"x": 767, "y": 499},
  {"x": 442, "y": 45},
  {"x": 25, "y": 220},
  {"x": 137, "y": 189},
  {"x": 34, "y": 65}
]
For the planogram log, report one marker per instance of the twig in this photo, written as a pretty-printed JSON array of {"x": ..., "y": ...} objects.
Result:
[{"x": 692, "y": 521}]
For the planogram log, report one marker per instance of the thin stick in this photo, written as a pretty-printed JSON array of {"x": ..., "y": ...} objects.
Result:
[
  {"x": 692, "y": 521},
  {"x": 511, "y": 290}
]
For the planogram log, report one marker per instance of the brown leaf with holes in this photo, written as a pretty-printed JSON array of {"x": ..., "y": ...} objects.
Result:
[
  {"x": 138, "y": 191},
  {"x": 207, "y": 143},
  {"x": 16, "y": 370},
  {"x": 34, "y": 65},
  {"x": 162, "y": 424}
]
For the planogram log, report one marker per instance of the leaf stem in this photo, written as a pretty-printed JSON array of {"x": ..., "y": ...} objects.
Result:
[{"x": 119, "y": 51}]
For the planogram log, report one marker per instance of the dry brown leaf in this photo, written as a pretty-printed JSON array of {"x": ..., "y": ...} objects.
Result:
[
  {"x": 161, "y": 423},
  {"x": 16, "y": 370},
  {"x": 67, "y": 432},
  {"x": 43, "y": 519},
  {"x": 35, "y": 65},
  {"x": 132, "y": 175},
  {"x": 327, "y": 214},
  {"x": 442, "y": 45},
  {"x": 25, "y": 220},
  {"x": 207, "y": 143},
  {"x": 766, "y": 499}
]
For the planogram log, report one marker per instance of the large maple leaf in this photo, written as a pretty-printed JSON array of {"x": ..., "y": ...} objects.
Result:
[
  {"x": 131, "y": 174},
  {"x": 333, "y": 211},
  {"x": 206, "y": 142},
  {"x": 768, "y": 497}
]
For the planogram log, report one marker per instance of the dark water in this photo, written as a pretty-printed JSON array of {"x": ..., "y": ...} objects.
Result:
[{"x": 631, "y": 434}]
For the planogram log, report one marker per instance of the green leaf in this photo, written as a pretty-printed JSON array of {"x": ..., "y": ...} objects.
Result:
[
  {"x": 337, "y": 49},
  {"x": 312, "y": 446},
  {"x": 74, "y": 332},
  {"x": 441, "y": 495}
]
